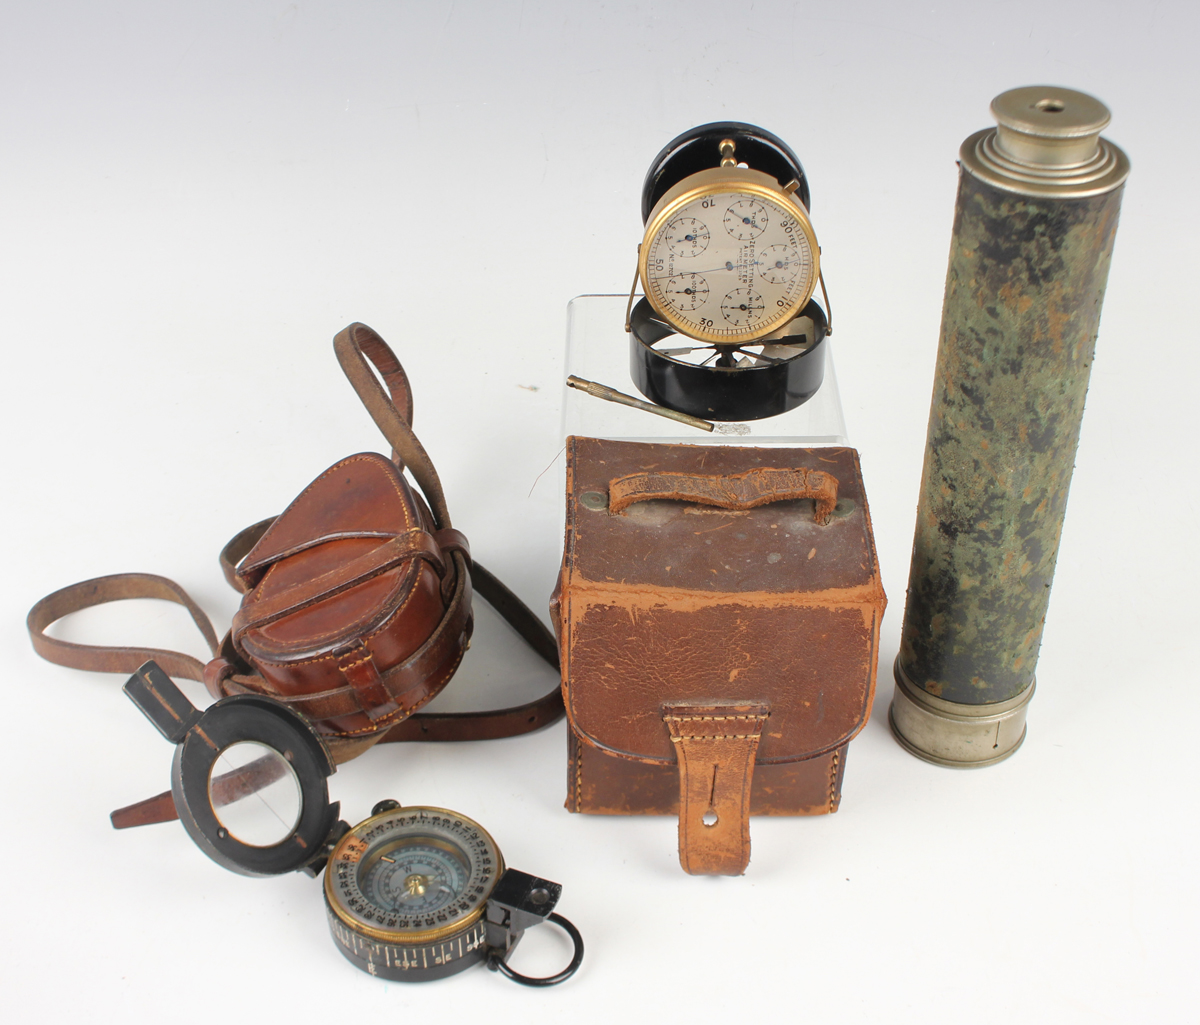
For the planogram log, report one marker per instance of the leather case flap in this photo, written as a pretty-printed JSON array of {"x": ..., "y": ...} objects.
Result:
[
  {"x": 674, "y": 600},
  {"x": 362, "y": 496},
  {"x": 358, "y": 508}
]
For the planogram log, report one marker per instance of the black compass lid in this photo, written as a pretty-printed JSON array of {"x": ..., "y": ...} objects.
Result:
[
  {"x": 699, "y": 149},
  {"x": 248, "y": 779}
]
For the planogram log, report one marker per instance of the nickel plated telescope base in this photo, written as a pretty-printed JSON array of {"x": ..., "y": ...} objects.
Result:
[{"x": 953, "y": 734}]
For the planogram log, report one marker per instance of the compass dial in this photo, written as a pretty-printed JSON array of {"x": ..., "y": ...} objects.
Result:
[
  {"x": 687, "y": 237},
  {"x": 406, "y": 891},
  {"x": 756, "y": 271},
  {"x": 414, "y": 877}
]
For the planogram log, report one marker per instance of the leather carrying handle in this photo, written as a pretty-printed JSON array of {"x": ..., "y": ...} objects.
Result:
[
  {"x": 354, "y": 347},
  {"x": 730, "y": 491}
]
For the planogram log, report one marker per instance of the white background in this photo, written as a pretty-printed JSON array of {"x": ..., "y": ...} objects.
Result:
[{"x": 197, "y": 197}]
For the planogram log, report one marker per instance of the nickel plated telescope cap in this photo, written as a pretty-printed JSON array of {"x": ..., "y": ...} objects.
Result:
[{"x": 1047, "y": 143}]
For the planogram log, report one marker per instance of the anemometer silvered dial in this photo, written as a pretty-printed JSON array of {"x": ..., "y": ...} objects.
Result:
[
  {"x": 728, "y": 328},
  {"x": 756, "y": 271}
]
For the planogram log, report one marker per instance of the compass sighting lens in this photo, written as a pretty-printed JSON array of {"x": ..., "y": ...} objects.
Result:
[{"x": 255, "y": 794}]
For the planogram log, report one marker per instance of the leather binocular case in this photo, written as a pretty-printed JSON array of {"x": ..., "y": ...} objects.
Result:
[
  {"x": 356, "y": 607},
  {"x": 718, "y": 617}
]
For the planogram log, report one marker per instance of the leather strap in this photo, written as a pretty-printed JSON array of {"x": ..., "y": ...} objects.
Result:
[
  {"x": 503, "y": 722},
  {"x": 500, "y": 722},
  {"x": 237, "y": 548},
  {"x": 393, "y": 414},
  {"x": 731, "y": 491},
  {"x": 250, "y": 573},
  {"x": 104, "y": 659},
  {"x": 159, "y": 808},
  {"x": 427, "y": 726},
  {"x": 226, "y": 789},
  {"x": 354, "y": 346},
  {"x": 412, "y": 544},
  {"x": 380, "y": 353},
  {"x": 715, "y": 745}
]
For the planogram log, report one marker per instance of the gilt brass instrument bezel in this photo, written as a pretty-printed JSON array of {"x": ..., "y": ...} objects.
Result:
[
  {"x": 722, "y": 181},
  {"x": 408, "y": 937}
]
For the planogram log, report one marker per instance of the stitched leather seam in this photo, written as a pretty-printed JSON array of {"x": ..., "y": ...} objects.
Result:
[
  {"x": 712, "y": 718},
  {"x": 719, "y": 736},
  {"x": 353, "y": 664},
  {"x": 578, "y": 775},
  {"x": 833, "y": 767}
]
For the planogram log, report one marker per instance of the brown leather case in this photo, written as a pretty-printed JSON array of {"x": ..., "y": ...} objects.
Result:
[
  {"x": 356, "y": 606},
  {"x": 718, "y": 615},
  {"x": 357, "y": 598}
]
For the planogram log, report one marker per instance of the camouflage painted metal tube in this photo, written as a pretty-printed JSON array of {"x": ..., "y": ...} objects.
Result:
[{"x": 1034, "y": 225}]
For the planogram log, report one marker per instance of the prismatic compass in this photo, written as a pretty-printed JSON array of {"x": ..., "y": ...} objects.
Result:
[{"x": 411, "y": 893}]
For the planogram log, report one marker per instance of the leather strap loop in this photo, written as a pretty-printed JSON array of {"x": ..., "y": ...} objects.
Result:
[
  {"x": 358, "y": 666},
  {"x": 215, "y": 674},
  {"x": 237, "y": 548},
  {"x": 105, "y": 659},
  {"x": 354, "y": 346},
  {"x": 715, "y": 745},
  {"x": 452, "y": 541}
]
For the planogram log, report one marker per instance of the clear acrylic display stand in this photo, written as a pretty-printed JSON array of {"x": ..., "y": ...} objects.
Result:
[{"x": 598, "y": 350}]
